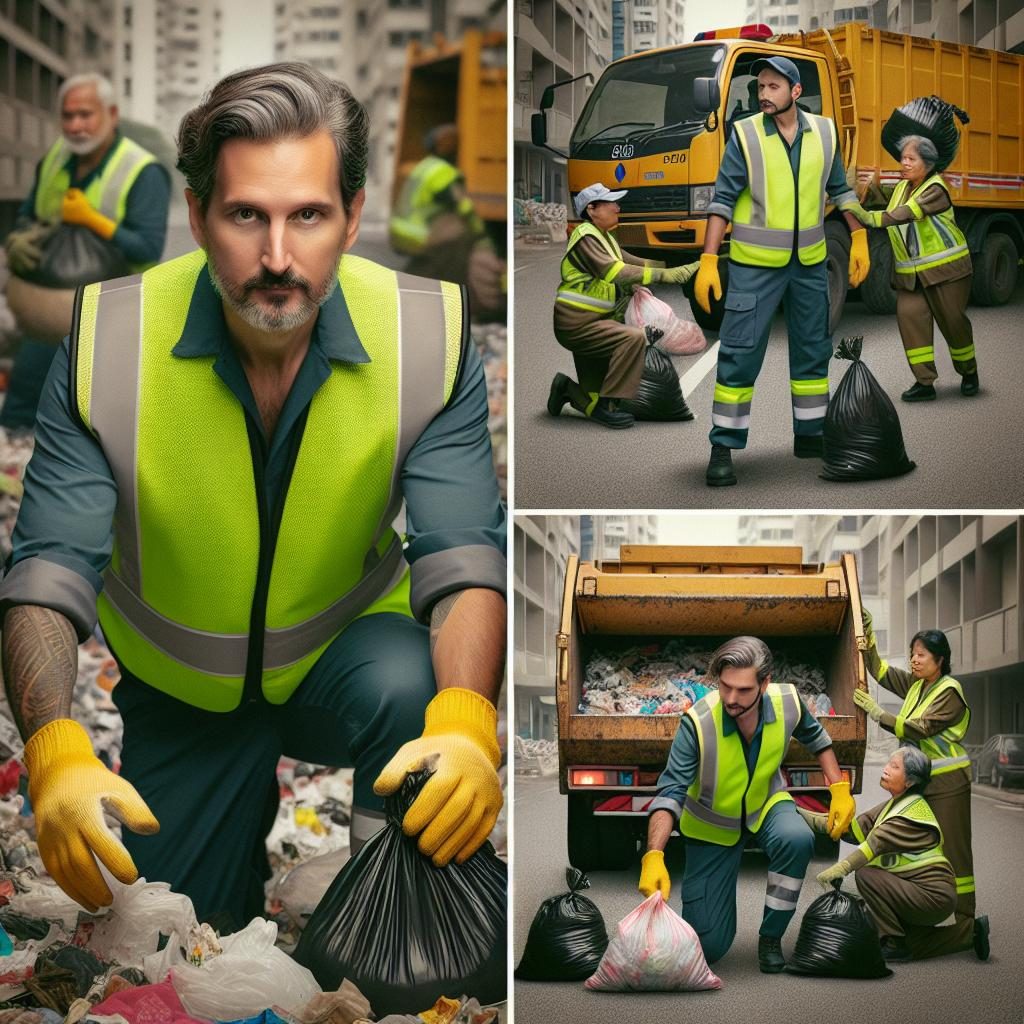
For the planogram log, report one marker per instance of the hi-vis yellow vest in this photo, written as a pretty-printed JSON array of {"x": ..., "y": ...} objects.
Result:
[
  {"x": 945, "y": 749},
  {"x": 417, "y": 205},
  {"x": 770, "y": 214},
  {"x": 181, "y": 593},
  {"x": 107, "y": 192},
  {"x": 930, "y": 241},
  {"x": 579, "y": 289},
  {"x": 724, "y": 796},
  {"x": 913, "y": 807}
]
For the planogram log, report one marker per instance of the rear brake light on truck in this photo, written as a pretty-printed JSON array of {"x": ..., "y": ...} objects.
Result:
[
  {"x": 1004, "y": 758},
  {"x": 602, "y": 777}
]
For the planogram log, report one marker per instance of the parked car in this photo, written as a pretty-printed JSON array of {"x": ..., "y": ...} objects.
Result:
[{"x": 1001, "y": 759}]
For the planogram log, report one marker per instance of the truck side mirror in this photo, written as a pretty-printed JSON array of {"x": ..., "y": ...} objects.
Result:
[
  {"x": 547, "y": 97},
  {"x": 707, "y": 95},
  {"x": 539, "y": 129}
]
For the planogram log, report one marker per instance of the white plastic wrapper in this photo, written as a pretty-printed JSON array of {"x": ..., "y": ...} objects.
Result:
[
  {"x": 679, "y": 337},
  {"x": 653, "y": 950}
]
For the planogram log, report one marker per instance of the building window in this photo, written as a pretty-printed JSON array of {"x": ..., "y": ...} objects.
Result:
[
  {"x": 127, "y": 89},
  {"x": 127, "y": 15},
  {"x": 128, "y": 52}
]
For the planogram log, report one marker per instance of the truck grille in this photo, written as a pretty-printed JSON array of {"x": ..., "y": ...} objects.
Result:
[{"x": 656, "y": 199}]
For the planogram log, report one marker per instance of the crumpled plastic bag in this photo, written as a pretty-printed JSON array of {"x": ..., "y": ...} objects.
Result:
[
  {"x": 342, "y": 1007},
  {"x": 249, "y": 976},
  {"x": 653, "y": 950},
  {"x": 930, "y": 116},
  {"x": 567, "y": 937},
  {"x": 74, "y": 255},
  {"x": 153, "y": 1004},
  {"x": 679, "y": 337},
  {"x": 659, "y": 396}
]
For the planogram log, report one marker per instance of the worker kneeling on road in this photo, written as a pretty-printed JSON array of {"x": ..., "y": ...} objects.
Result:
[
  {"x": 901, "y": 871},
  {"x": 597, "y": 281},
  {"x": 776, "y": 172},
  {"x": 222, "y": 452},
  {"x": 724, "y": 785}
]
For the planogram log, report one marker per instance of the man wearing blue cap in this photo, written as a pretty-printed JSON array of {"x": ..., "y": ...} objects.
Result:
[{"x": 776, "y": 173}]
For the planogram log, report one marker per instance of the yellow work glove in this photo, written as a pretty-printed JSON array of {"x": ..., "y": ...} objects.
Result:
[
  {"x": 24, "y": 248},
  {"x": 458, "y": 806},
  {"x": 860, "y": 262},
  {"x": 654, "y": 874},
  {"x": 866, "y": 703},
  {"x": 836, "y": 873},
  {"x": 75, "y": 209},
  {"x": 70, "y": 789},
  {"x": 841, "y": 809},
  {"x": 707, "y": 281},
  {"x": 678, "y": 275}
]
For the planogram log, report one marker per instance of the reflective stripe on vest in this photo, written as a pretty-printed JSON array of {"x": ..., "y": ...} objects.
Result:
[
  {"x": 944, "y": 748},
  {"x": 179, "y": 591},
  {"x": 914, "y": 808},
  {"x": 417, "y": 203},
  {"x": 767, "y": 210},
  {"x": 931, "y": 241},
  {"x": 714, "y": 805},
  {"x": 107, "y": 192},
  {"x": 579, "y": 288}
]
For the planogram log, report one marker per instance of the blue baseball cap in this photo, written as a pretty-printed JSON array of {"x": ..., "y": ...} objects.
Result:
[{"x": 783, "y": 65}]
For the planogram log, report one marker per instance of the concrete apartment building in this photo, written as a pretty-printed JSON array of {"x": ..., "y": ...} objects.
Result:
[{"x": 654, "y": 23}]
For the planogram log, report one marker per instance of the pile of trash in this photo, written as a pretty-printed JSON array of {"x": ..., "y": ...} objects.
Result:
[
  {"x": 529, "y": 211},
  {"x": 536, "y": 757},
  {"x": 668, "y": 678},
  {"x": 15, "y": 451}
]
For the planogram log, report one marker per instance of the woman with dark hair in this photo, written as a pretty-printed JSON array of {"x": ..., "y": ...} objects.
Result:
[
  {"x": 934, "y": 718},
  {"x": 902, "y": 873}
]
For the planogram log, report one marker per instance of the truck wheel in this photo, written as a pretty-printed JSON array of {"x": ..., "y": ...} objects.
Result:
[
  {"x": 837, "y": 240},
  {"x": 598, "y": 844},
  {"x": 877, "y": 292},
  {"x": 713, "y": 320},
  {"x": 995, "y": 271}
]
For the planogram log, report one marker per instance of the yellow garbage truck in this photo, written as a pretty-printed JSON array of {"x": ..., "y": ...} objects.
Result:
[
  {"x": 630, "y": 618},
  {"x": 657, "y": 122}
]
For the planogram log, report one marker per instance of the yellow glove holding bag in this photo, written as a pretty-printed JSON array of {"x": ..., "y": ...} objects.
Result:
[
  {"x": 654, "y": 874},
  {"x": 76, "y": 209},
  {"x": 841, "y": 809},
  {"x": 458, "y": 806},
  {"x": 70, "y": 789}
]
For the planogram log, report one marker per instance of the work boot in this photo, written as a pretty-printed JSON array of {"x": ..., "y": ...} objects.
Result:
[
  {"x": 969, "y": 384},
  {"x": 607, "y": 413},
  {"x": 769, "y": 954},
  {"x": 720, "y": 472},
  {"x": 919, "y": 393},
  {"x": 653, "y": 333},
  {"x": 981, "y": 931},
  {"x": 895, "y": 950},
  {"x": 805, "y": 447},
  {"x": 558, "y": 395}
]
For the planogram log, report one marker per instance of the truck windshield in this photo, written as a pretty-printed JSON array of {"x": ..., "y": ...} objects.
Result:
[{"x": 645, "y": 100}]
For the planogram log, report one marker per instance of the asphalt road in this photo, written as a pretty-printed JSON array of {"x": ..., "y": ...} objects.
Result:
[
  {"x": 956, "y": 988},
  {"x": 968, "y": 451}
]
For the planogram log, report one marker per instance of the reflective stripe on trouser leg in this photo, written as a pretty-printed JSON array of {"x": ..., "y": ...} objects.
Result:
[
  {"x": 365, "y": 824},
  {"x": 789, "y": 844},
  {"x": 731, "y": 407},
  {"x": 782, "y": 893},
  {"x": 810, "y": 346},
  {"x": 948, "y": 304},
  {"x": 810, "y": 402}
]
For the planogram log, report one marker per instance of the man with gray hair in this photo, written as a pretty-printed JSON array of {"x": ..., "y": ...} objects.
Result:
[
  {"x": 723, "y": 786},
  {"x": 223, "y": 450},
  {"x": 91, "y": 176}
]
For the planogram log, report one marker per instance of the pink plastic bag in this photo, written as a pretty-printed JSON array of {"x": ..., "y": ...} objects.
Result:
[
  {"x": 152, "y": 1004},
  {"x": 679, "y": 337},
  {"x": 653, "y": 950}
]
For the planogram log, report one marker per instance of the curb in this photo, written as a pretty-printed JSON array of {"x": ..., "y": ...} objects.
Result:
[{"x": 1014, "y": 797}]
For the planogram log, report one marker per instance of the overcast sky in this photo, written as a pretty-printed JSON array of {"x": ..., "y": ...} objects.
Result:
[
  {"x": 707, "y": 14},
  {"x": 679, "y": 529}
]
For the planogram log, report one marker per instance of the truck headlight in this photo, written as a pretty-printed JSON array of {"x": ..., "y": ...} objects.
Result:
[{"x": 700, "y": 197}]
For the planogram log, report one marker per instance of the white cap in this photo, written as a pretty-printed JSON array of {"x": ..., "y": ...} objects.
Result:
[{"x": 595, "y": 193}]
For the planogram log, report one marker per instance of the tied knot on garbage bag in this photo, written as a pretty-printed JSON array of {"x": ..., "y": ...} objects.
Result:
[
  {"x": 406, "y": 932},
  {"x": 931, "y": 117},
  {"x": 862, "y": 437},
  {"x": 659, "y": 396},
  {"x": 567, "y": 937}
]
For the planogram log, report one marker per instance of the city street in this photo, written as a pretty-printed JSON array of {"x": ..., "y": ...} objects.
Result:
[
  {"x": 956, "y": 988},
  {"x": 968, "y": 451}
]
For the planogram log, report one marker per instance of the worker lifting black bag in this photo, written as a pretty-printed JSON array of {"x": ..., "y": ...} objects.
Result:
[
  {"x": 405, "y": 932},
  {"x": 838, "y": 940},
  {"x": 862, "y": 437},
  {"x": 931, "y": 117},
  {"x": 567, "y": 938},
  {"x": 73, "y": 255},
  {"x": 659, "y": 396}
]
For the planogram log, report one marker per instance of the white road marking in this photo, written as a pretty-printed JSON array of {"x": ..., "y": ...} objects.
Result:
[{"x": 690, "y": 380}]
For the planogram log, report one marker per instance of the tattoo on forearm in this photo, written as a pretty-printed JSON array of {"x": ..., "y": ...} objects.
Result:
[
  {"x": 439, "y": 614},
  {"x": 40, "y": 660}
]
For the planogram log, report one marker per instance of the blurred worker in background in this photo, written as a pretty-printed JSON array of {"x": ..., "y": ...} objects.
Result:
[{"x": 95, "y": 177}]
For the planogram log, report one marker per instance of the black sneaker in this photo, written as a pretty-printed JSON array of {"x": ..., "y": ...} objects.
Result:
[
  {"x": 653, "y": 334},
  {"x": 720, "y": 472},
  {"x": 808, "y": 447},
  {"x": 969, "y": 384},
  {"x": 558, "y": 395},
  {"x": 606, "y": 413},
  {"x": 895, "y": 950},
  {"x": 919, "y": 393},
  {"x": 769, "y": 955},
  {"x": 981, "y": 930}
]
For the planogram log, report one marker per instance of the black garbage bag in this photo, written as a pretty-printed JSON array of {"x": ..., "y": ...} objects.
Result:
[
  {"x": 72, "y": 255},
  {"x": 838, "y": 940},
  {"x": 862, "y": 439},
  {"x": 659, "y": 396},
  {"x": 567, "y": 938},
  {"x": 930, "y": 116},
  {"x": 406, "y": 932}
]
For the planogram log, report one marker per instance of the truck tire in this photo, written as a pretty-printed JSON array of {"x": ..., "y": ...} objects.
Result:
[
  {"x": 837, "y": 240},
  {"x": 597, "y": 844},
  {"x": 713, "y": 320},
  {"x": 995, "y": 271},
  {"x": 877, "y": 292}
]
